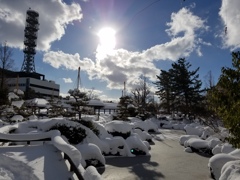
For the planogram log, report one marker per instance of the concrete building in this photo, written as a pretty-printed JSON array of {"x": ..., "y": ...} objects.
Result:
[
  {"x": 33, "y": 81},
  {"x": 28, "y": 79}
]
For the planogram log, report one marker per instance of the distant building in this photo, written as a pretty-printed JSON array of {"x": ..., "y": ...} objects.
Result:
[
  {"x": 28, "y": 79},
  {"x": 33, "y": 81}
]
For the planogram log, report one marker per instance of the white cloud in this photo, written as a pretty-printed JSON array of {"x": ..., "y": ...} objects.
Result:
[
  {"x": 124, "y": 65},
  {"x": 229, "y": 12},
  {"x": 53, "y": 18},
  {"x": 67, "y": 80},
  {"x": 69, "y": 61}
]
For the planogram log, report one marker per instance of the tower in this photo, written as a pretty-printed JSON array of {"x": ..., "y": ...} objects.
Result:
[{"x": 30, "y": 41}]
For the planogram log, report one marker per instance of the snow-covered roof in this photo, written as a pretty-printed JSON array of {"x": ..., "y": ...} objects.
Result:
[
  {"x": 110, "y": 106},
  {"x": 39, "y": 102},
  {"x": 95, "y": 102}
]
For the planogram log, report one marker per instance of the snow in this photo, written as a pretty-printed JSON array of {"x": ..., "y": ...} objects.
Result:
[
  {"x": 38, "y": 102},
  {"x": 12, "y": 95},
  {"x": 145, "y": 125},
  {"x": 95, "y": 103},
  {"x": 217, "y": 162},
  {"x": 118, "y": 126},
  {"x": 230, "y": 170},
  {"x": 17, "y": 118},
  {"x": 17, "y": 104},
  {"x": 90, "y": 151},
  {"x": 39, "y": 159},
  {"x": 185, "y": 138}
]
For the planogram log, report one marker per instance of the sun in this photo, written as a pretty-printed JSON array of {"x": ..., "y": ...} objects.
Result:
[{"x": 107, "y": 40}]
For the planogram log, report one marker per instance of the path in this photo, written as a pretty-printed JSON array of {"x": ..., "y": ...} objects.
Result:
[{"x": 167, "y": 161}]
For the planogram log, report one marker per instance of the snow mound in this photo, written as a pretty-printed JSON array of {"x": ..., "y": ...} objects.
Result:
[
  {"x": 91, "y": 151},
  {"x": 217, "y": 161},
  {"x": 230, "y": 171},
  {"x": 118, "y": 126},
  {"x": 184, "y": 138}
]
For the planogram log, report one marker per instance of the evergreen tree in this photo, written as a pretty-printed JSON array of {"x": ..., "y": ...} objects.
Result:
[
  {"x": 225, "y": 98},
  {"x": 81, "y": 99},
  {"x": 180, "y": 88},
  {"x": 164, "y": 90},
  {"x": 186, "y": 87},
  {"x": 123, "y": 108}
]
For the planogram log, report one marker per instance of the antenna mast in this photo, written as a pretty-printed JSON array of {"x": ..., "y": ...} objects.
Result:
[
  {"x": 30, "y": 41},
  {"x": 78, "y": 78}
]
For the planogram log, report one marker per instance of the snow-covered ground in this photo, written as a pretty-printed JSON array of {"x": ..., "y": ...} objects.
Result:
[{"x": 114, "y": 138}]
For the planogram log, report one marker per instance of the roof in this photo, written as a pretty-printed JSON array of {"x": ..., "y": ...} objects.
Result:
[{"x": 95, "y": 103}]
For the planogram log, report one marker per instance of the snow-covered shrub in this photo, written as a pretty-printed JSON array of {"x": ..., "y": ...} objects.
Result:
[
  {"x": 217, "y": 149},
  {"x": 179, "y": 126},
  {"x": 16, "y": 118},
  {"x": 213, "y": 142},
  {"x": 90, "y": 125},
  {"x": 91, "y": 154},
  {"x": 118, "y": 147},
  {"x": 227, "y": 148},
  {"x": 119, "y": 128},
  {"x": 74, "y": 134},
  {"x": 217, "y": 161},
  {"x": 143, "y": 135},
  {"x": 197, "y": 144},
  {"x": 230, "y": 170},
  {"x": 207, "y": 132},
  {"x": 136, "y": 145},
  {"x": 147, "y": 125},
  {"x": 193, "y": 129},
  {"x": 184, "y": 138}
]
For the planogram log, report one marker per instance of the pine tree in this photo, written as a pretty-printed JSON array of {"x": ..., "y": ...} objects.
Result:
[
  {"x": 225, "y": 98},
  {"x": 180, "y": 88},
  {"x": 186, "y": 87},
  {"x": 164, "y": 90},
  {"x": 123, "y": 108},
  {"x": 81, "y": 99}
]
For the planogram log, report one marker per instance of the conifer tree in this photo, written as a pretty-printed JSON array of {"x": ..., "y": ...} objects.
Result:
[
  {"x": 81, "y": 99},
  {"x": 180, "y": 88},
  {"x": 225, "y": 98},
  {"x": 164, "y": 90},
  {"x": 186, "y": 87}
]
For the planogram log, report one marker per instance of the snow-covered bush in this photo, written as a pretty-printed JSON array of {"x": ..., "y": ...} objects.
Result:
[
  {"x": 230, "y": 170},
  {"x": 136, "y": 145},
  {"x": 194, "y": 129},
  {"x": 217, "y": 162},
  {"x": 90, "y": 125},
  {"x": 91, "y": 154},
  {"x": 74, "y": 134},
  {"x": 143, "y": 135},
  {"x": 118, "y": 147},
  {"x": 119, "y": 128},
  {"x": 147, "y": 125},
  {"x": 184, "y": 138}
]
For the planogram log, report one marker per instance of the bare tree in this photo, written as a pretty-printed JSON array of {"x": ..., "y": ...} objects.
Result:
[
  {"x": 141, "y": 96},
  {"x": 209, "y": 80},
  {"x": 6, "y": 62}
]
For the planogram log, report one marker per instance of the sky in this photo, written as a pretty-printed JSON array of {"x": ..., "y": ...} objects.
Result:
[{"x": 143, "y": 38}]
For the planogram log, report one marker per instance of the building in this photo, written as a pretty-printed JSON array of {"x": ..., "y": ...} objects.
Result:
[
  {"x": 34, "y": 81},
  {"x": 28, "y": 79}
]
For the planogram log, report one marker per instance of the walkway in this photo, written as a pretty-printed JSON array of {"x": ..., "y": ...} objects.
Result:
[{"x": 167, "y": 161}]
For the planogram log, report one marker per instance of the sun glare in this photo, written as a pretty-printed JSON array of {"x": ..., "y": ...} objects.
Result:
[{"x": 107, "y": 40}]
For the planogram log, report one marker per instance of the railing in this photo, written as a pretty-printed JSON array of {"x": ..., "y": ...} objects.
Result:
[{"x": 73, "y": 167}]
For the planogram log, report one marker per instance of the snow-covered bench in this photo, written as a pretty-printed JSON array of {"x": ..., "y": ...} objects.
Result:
[{"x": 70, "y": 152}]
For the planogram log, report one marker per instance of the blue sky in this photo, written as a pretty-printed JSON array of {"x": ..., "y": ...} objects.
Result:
[{"x": 148, "y": 39}]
